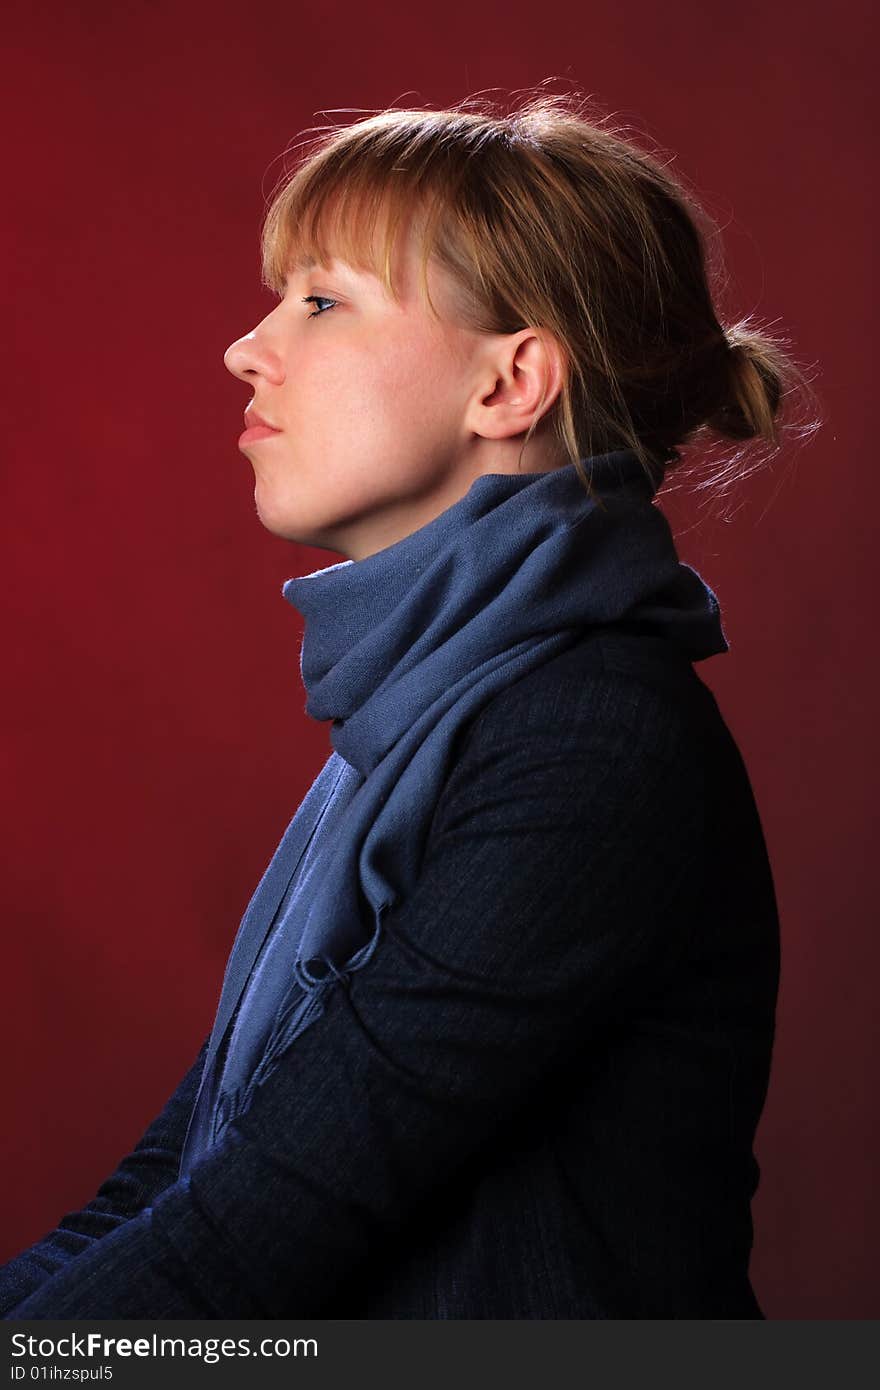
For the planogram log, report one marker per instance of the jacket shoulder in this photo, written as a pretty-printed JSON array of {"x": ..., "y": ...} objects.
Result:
[{"x": 614, "y": 675}]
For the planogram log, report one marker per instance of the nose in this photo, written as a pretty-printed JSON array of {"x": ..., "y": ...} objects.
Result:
[{"x": 253, "y": 355}]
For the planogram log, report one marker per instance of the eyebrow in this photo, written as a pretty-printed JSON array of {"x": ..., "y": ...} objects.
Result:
[{"x": 309, "y": 263}]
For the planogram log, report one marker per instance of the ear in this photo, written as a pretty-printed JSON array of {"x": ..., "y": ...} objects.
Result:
[{"x": 519, "y": 376}]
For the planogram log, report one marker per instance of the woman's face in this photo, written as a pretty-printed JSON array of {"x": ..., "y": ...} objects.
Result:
[{"x": 371, "y": 400}]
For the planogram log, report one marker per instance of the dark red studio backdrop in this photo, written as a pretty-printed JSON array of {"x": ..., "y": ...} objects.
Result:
[{"x": 155, "y": 738}]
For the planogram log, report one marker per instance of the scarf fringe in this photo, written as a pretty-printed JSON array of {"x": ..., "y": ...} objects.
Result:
[{"x": 300, "y": 1009}]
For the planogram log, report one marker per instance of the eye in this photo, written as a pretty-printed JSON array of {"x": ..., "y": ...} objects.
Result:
[{"x": 313, "y": 299}]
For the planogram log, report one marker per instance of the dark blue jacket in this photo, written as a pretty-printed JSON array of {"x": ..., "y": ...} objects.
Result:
[{"x": 538, "y": 1099}]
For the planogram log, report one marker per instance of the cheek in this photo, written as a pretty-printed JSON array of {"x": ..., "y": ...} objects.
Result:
[
  {"x": 413, "y": 387},
  {"x": 386, "y": 389}
]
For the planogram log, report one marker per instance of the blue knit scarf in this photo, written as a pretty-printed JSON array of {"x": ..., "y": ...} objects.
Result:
[{"x": 399, "y": 650}]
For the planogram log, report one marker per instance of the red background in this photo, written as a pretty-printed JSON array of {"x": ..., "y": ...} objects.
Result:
[{"x": 155, "y": 742}]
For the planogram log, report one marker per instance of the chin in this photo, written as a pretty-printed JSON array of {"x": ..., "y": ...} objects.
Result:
[
  {"x": 277, "y": 526},
  {"x": 270, "y": 519},
  {"x": 281, "y": 524}
]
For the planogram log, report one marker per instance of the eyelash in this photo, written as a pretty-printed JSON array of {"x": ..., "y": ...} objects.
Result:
[{"x": 313, "y": 299}]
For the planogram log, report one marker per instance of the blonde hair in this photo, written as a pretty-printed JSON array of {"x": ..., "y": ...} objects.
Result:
[{"x": 546, "y": 216}]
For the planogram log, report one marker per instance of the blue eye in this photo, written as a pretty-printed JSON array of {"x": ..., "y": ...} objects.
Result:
[{"x": 313, "y": 299}]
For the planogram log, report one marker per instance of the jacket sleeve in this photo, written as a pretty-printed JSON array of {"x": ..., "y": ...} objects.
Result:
[
  {"x": 141, "y": 1175},
  {"x": 556, "y": 884}
]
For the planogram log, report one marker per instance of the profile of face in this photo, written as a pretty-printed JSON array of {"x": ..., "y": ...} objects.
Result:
[{"x": 383, "y": 415}]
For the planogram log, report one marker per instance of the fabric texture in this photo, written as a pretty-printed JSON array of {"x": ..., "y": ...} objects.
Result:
[
  {"x": 539, "y": 1096},
  {"x": 400, "y": 649}
]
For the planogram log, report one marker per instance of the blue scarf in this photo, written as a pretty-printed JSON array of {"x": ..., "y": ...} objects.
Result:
[{"x": 399, "y": 650}]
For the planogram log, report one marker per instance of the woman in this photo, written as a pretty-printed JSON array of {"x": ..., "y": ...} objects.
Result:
[{"x": 495, "y": 1031}]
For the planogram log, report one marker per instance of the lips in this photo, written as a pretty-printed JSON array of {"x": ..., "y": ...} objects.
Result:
[{"x": 254, "y": 421}]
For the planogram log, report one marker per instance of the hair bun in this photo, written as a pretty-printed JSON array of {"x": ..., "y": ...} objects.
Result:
[{"x": 754, "y": 386}]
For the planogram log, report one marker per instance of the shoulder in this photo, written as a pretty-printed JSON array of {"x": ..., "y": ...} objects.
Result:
[
  {"x": 613, "y": 677},
  {"x": 611, "y": 730}
]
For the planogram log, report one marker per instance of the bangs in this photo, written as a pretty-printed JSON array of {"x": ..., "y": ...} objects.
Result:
[{"x": 356, "y": 217}]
